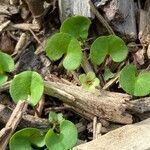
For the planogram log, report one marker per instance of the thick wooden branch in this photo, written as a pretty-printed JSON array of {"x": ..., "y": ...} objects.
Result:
[
  {"x": 102, "y": 104},
  {"x": 129, "y": 137}
]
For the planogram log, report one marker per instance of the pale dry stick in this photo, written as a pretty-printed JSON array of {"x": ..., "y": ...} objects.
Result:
[
  {"x": 21, "y": 42},
  {"x": 4, "y": 25},
  {"x": 100, "y": 18},
  {"x": 98, "y": 130},
  {"x": 25, "y": 26},
  {"x": 94, "y": 127},
  {"x": 85, "y": 64},
  {"x": 40, "y": 107},
  {"x": 112, "y": 81},
  {"x": 12, "y": 123},
  {"x": 36, "y": 38}
]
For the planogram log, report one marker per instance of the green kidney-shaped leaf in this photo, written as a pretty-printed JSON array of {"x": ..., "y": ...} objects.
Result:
[
  {"x": 63, "y": 44},
  {"x": 117, "y": 48},
  {"x": 57, "y": 45},
  {"x": 26, "y": 138},
  {"x": 108, "y": 45},
  {"x": 65, "y": 140},
  {"x": 77, "y": 26},
  {"x": 27, "y": 85},
  {"x": 73, "y": 58},
  {"x": 134, "y": 83},
  {"x": 6, "y": 63}
]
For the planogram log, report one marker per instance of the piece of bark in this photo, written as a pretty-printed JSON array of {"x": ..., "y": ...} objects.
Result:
[
  {"x": 105, "y": 105},
  {"x": 140, "y": 105},
  {"x": 69, "y": 8},
  {"x": 144, "y": 28},
  {"x": 37, "y": 9},
  {"x": 121, "y": 15},
  {"x": 135, "y": 137}
]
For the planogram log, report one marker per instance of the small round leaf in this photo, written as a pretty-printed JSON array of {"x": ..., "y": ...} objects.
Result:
[
  {"x": 77, "y": 26},
  {"x": 117, "y": 48},
  {"x": 99, "y": 50},
  {"x": 127, "y": 78},
  {"x": 108, "y": 45},
  {"x": 134, "y": 83},
  {"x": 74, "y": 55},
  {"x": 64, "y": 140},
  {"x": 26, "y": 138},
  {"x": 6, "y": 62},
  {"x": 27, "y": 85},
  {"x": 57, "y": 45}
]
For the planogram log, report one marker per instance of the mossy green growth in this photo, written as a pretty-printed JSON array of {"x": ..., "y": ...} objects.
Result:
[
  {"x": 89, "y": 81},
  {"x": 6, "y": 65},
  {"x": 134, "y": 83}
]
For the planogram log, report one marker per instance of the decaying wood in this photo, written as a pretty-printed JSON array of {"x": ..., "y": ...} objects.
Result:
[
  {"x": 102, "y": 104},
  {"x": 12, "y": 124},
  {"x": 37, "y": 9},
  {"x": 100, "y": 18},
  {"x": 140, "y": 105},
  {"x": 135, "y": 137},
  {"x": 69, "y": 8},
  {"x": 121, "y": 15},
  {"x": 144, "y": 28}
]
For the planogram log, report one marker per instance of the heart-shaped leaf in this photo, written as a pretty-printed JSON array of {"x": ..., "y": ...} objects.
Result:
[
  {"x": 64, "y": 140},
  {"x": 108, "y": 45},
  {"x": 62, "y": 43},
  {"x": 134, "y": 83},
  {"x": 77, "y": 26},
  {"x": 89, "y": 81},
  {"x": 26, "y": 138},
  {"x": 27, "y": 85}
]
